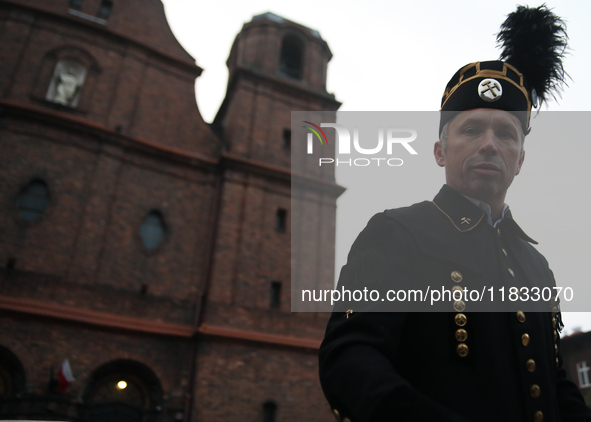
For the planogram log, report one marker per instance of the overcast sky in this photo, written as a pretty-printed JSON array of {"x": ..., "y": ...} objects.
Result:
[{"x": 399, "y": 55}]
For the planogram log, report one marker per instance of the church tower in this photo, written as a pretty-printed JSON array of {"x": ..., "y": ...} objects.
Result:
[{"x": 275, "y": 67}]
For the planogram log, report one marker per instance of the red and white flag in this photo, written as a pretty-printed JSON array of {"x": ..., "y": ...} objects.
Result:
[{"x": 65, "y": 376}]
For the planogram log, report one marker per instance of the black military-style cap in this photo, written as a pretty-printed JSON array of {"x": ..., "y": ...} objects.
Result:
[{"x": 533, "y": 42}]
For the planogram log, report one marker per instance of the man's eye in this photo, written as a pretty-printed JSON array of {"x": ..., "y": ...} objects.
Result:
[
  {"x": 471, "y": 131},
  {"x": 506, "y": 135}
]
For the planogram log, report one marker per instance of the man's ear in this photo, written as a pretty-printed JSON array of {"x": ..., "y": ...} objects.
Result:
[
  {"x": 520, "y": 163},
  {"x": 440, "y": 154}
]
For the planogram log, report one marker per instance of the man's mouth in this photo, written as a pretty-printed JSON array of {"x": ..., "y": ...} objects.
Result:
[{"x": 486, "y": 168}]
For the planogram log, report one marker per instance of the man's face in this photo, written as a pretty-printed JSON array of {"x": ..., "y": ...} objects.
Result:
[{"x": 483, "y": 153}]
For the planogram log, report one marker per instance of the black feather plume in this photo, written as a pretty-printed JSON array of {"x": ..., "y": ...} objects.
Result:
[{"x": 534, "y": 40}]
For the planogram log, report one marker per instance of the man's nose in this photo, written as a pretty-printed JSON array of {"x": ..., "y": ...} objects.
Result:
[{"x": 488, "y": 143}]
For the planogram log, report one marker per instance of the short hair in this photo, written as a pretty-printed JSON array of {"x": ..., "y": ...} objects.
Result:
[{"x": 445, "y": 133}]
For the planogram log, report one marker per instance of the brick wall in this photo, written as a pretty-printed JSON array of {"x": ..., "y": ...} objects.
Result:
[{"x": 79, "y": 283}]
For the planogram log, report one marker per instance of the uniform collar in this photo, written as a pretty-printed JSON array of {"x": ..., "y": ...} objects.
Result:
[
  {"x": 486, "y": 208},
  {"x": 466, "y": 216}
]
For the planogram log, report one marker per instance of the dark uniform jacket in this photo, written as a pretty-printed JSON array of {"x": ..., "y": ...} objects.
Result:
[{"x": 445, "y": 366}]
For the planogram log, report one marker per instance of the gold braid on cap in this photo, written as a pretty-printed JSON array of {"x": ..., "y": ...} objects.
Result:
[
  {"x": 491, "y": 73},
  {"x": 488, "y": 73}
]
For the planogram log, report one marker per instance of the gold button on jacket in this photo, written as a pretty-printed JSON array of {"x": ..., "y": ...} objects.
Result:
[
  {"x": 459, "y": 305},
  {"x": 461, "y": 319},
  {"x": 461, "y": 334},
  {"x": 462, "y": 349},
  {"x": 531, "y": 365},
  {"x": 337, "y": 415}
]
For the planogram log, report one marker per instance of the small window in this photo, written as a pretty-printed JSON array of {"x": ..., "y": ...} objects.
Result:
[
  {"x": 105, "y": 9},
  {"x": 275, "y": 294},
  {"x": 287, "y": 139},
  {"x": 280, "y": 220},
  {"x": 152, "y": 230},
  {"x": 583, "y": 372},
  {"x": 76, "y": 4},
  {"x": 33, "y": 201},
  {"x": 290, "y": 63},
  {"x": 269, "y": 411}
]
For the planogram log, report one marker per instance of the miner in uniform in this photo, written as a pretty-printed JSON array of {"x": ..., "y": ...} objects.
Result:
[{"x": 460, "y": 365}]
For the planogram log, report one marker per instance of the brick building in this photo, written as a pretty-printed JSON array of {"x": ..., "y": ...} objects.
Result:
[
  {"x": 576, "y": 352},
  {"x": 139, "y": 242}
]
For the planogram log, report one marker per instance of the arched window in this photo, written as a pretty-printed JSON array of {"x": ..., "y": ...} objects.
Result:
[
  {"x": 153, "y": 230},
  {"x": 12, "y": 374},
  {"x": 68, "y": 78},
  {"x": 122, "y": 391},
  {"x": 292, "y": 57},
  {"x": 33, "y": 201}
]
